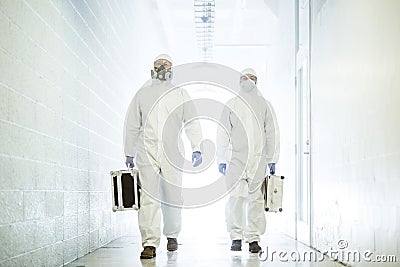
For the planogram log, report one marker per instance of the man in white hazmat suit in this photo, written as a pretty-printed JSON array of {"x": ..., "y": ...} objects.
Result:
[
  {"x": 248, "y": 142},
  {"x": 153, "y": 122}
]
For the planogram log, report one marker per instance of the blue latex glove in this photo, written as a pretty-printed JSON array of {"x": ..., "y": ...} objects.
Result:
[
  {"x": 222, "y": 168},
  {"x": 197, "y": 159},
  {"x": 129, "y": 162},
  {"x": 271, "y": 167}
]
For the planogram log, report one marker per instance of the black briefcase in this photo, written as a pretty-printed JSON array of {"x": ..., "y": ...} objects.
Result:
[{"x": 125, "y": 187}]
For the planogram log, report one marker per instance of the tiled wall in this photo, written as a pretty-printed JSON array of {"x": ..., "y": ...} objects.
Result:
[
  {"x": 356, "y": 125},
  {"x": 64, "y": 88}
]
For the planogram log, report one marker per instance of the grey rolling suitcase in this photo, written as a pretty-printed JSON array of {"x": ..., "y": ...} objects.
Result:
[
  {"x": 273, "y": 192},
  {"x": 125, "y": 187}
]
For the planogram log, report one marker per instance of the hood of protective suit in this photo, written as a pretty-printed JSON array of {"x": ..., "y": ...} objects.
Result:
[
  {"x": 163, "y": 56},
  {"x": 249, "y": 71}
]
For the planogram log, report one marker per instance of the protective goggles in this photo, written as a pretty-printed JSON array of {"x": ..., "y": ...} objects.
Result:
[{"x": 162, "y": 62}]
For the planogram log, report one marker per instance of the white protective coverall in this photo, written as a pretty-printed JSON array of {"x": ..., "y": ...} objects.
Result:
[
  {"x": 249, "y": 141},
  {"x": 152, "y": 135}
]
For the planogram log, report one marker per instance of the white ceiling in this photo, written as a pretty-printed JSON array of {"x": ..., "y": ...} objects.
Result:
[
  {"x": 247, "y": 23},
  {"x": 244, "y": 30}
]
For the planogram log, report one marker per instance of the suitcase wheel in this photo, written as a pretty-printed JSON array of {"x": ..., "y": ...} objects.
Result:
[
  {"x": 266, "y": 209},
  {"x": 282, "y": 177},
  {"x": 280, "y": 209}
]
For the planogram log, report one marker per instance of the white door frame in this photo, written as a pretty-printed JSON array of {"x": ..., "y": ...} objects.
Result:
[
  {"x": 303, "y": 125},
  {"x": 303, "y": 150}
]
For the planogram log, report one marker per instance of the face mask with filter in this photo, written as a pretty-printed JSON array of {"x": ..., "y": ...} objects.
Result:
[{"x": 161, "y": 73}]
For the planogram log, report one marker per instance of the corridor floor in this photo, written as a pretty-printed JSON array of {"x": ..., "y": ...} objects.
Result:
[{"x": 192, "y": 252}]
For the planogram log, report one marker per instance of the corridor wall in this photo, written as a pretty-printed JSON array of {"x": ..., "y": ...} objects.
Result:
[
  {"x": 356, "y": 125},
  {"x": 68, "y": 71}
]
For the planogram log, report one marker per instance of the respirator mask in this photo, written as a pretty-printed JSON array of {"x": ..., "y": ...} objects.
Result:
[
  {"x": 161, "y": 73},
  {"x": 248, "y": 83}
]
